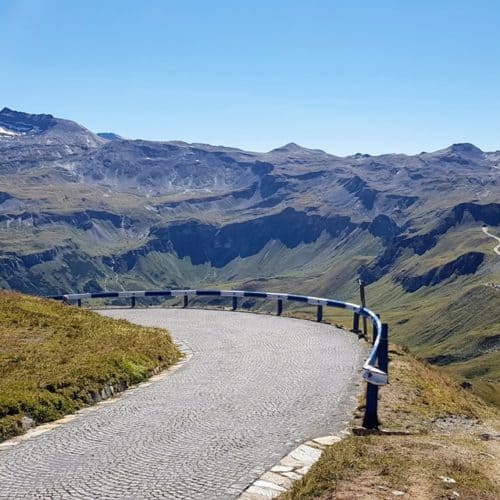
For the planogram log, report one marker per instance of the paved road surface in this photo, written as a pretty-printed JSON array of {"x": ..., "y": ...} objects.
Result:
[
  {"x": 497, "y": 248},
  {"x": 255, "y": 387}
]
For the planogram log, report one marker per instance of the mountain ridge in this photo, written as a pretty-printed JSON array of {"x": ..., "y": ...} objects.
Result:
[{"x": 9, "y": 115}]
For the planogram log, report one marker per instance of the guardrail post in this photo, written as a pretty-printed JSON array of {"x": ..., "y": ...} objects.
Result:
[
  {"x": 132, "y": 305},
  {"x": 355, "y": 323},
  {"x": 235, "y": 303},
  {"x": 186, "y": 301},
  {"x": 79, "y": 302},
  {"x": 370, "y": 420},
  {"x": 279, "y": 307},
  {"x": 319, "y": 314}
]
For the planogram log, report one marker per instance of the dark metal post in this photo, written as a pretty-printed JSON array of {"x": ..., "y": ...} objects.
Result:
[
  {"x": 79, "y": 302},
  {"x": 370, "y": 420},
  {"x": 280, "y": 307},
  {"x": 186, "y": 301},
  {"x": 319, "y": 314},
  {"x": 363, "y": 304},
  {"x": 235, "y": 303},
  {"x": 355, "y": 323},
  {"x": 383, "y": 349},
  {"x": 132, "y": 302}
]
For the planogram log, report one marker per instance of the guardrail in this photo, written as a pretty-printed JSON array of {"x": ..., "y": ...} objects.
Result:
[{"x": 375, "y": 368}]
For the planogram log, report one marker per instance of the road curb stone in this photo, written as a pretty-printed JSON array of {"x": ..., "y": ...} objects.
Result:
[{"x": 281, "y": 476}]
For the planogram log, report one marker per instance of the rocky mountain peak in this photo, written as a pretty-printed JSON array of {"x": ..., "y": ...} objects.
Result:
[
  {"x": 464, "y": 148},
  {"x": 25, "y": 123},
  {"x": 291, "y": 147}
]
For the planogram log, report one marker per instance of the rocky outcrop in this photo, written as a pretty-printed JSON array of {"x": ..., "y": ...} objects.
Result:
[
  {"x": 308, "y": 176},
  {"x": 80, "y": 220},
  {"x": 400, "y": 201},
  {"x": 465, "y": 264},
  {"x": 359, "y": 188},
  {"x": 489, "y": 214},
  {"x": 4, "y": 197},
  {"x": 269, "y": 185},
  {"x": 384, "y": 227},
  {"x": 25, "y": 122}
]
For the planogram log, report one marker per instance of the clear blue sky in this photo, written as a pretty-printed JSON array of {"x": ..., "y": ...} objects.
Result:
[{"x": 345, "y": 76}]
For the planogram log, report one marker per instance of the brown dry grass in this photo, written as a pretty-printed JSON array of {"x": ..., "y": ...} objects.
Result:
[{"x": 436, "y": 431}]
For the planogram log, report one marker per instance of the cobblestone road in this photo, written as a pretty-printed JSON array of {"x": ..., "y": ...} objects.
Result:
[{"x": 255, "y": 386}]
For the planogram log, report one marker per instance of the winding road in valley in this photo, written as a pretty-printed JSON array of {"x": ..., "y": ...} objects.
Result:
[
  {"x": 252, "y": 389},
  {"x": 497, "y": 248}
]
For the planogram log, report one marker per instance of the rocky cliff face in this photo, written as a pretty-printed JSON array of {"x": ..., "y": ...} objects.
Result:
[
  {"x": 465, "y": 264},
  {"x": 218, "y": 246}
]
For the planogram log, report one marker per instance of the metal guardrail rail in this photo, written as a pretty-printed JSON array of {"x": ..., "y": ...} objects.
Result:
[{"x": 375, "y": 368}]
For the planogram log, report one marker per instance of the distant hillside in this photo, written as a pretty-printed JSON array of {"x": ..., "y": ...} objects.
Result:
[{"x": 79, "y": 212}]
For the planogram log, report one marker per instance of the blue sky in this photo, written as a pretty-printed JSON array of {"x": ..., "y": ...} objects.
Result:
[{"x": 344, "y": 76}]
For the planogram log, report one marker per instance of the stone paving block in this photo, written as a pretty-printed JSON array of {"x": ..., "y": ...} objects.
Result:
[
  {"x": 306, "y": 455},
  {"x": 260, "y": 483},
  {"x": 291, "y": 462},
  {"x": 313, "y": 444},
  {"x": 276, "y": 479},
  {"x": 327, "y": 440},
  {"x": 281, "y": 468},
  {"x": 262, "y": 492}
]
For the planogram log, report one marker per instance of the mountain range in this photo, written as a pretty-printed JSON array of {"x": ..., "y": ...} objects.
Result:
[{"x": 85, "y": 212}]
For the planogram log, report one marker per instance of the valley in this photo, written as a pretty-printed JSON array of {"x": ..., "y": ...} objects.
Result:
[{"x": 87, "y": 212}]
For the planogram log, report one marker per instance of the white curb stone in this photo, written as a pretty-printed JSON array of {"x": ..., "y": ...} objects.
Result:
[
  {"x": 281, "y": 468},
  {"x": 306, "y": 454},
  {"x": 291, "y": 468},
  {"x": 327, "y": 440},
  {"x": 278, "y": 479},
  {"x": 267, "y": 484}
]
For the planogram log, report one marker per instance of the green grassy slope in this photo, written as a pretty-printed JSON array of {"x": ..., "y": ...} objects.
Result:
[
  {"x": 459, "y": 332},
  {"x": 456, "y": 323},
  {"x": 55, "y": 359}
]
